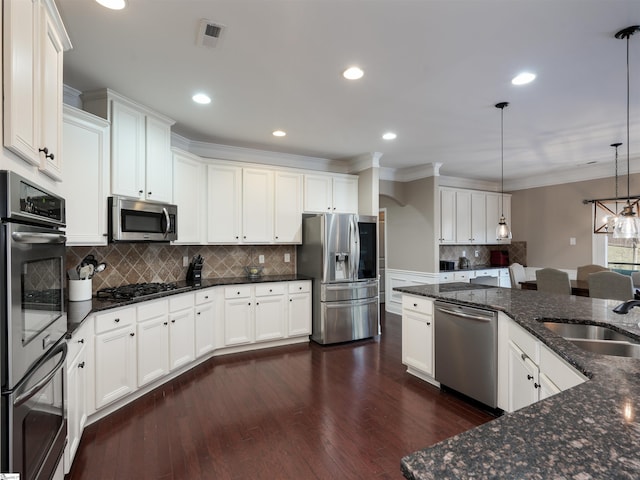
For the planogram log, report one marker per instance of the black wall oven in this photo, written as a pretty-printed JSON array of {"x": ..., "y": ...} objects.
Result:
[{"x": 33, "y": 320}]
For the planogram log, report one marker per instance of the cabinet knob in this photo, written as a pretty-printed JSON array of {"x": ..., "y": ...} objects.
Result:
[
  {"x": 276, "y": 237},
  {"x": 415, "y": 304},
  {"x": 529, "y": 377},
  {"x": 81, "y": 365},
  {"x": 523, "y": 356},
  {"x": 206, "y": 297},
  {"x": 536, "y": 385},
  {"x": 291, "y": 299},
  {"x": 197, "y": 313},
  {"x": 428, "y": 324},
  {"x": 116, "y": 320},
  {"x": 270, "y": 290},
  {"x": 149, "y": 193},
  {"x": 132, "y": 334},
  {"x": 173, "y": 321},
  {"x": 238, "y": 293},
  {"x": 237, "y": 237},
  {"x": 249, "y": 303},
  {"x": 45, "y": 150},
  {"x": 81, "y": 340},
  {"x": 140, "y": 192},
  {"x": 299, "y": 288},
  {"x": 165, "y": 323}
]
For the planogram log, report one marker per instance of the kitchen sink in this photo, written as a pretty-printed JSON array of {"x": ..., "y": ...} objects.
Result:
[{"x": 597, "y": 339}]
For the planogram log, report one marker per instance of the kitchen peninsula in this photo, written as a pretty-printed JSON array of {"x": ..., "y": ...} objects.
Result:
[{"x": 588, "y": 431}]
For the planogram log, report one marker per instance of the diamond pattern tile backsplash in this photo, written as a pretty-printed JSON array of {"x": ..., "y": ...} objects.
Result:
[
  {"x": 155, "y": 262},
  {"x": 517, "y": 253}
]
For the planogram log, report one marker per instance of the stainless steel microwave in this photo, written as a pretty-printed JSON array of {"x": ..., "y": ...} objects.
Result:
[{"x": 133, "y": 220}]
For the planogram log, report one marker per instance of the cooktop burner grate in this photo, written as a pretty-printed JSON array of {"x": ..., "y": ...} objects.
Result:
[{"x": 134, "y": 290}]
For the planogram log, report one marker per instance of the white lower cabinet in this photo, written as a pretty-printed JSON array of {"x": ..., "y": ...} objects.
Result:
[
  {"x": 181, "y": 330},
  {"x": 238, "y": 315},
  {"x": 417, "y": 335},
  {"x": 115, "y": 355},
  {"x": 152, "y": 341},
  {"x": 269, "y": 311},
  {"x": 299, "y": 309},
  {"x": 79, "y": 365},
  {"x": 534, "y": 372},
  {"x": 204, "y": 322}
]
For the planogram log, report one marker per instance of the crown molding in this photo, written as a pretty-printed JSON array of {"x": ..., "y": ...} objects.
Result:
[
  {"x": 363, "y": 162},
  {"x": 409, "y": 174},
  {"x": 469, "y": 183}
]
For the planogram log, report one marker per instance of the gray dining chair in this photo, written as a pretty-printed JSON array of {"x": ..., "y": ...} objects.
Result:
[
  {"x": 552, "y": 280},
  {"x": 612, "y": 285},
  {"x": 583, "y": 272},
  {"x": 517, "y": 275}
]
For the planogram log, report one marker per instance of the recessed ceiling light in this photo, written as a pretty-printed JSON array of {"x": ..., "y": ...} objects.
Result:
[
  {"x": 201, "y": 98},
  {"x": 523, "y": 78},
  {"x": 353, "y": 73},
  {"x": 113, "y": 4},
  {"x": 389, "y": 136},
  {"x": 279, "y": 133}
]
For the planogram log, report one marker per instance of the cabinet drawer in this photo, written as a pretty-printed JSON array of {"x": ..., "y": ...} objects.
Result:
[
  {"x": 418, "y": 304},
  {"x": 239, "y": 291},
  {"x": 270, "y": 289},
  {"x": 204, "y": 296},
  {"x": 462, "y": 276},
  {"x": 115, "y": 319},
  {"x": 486, "y": 273},
  {"x": 525, "y": 341},
  {"x": 76, "y": 343},
  {"x": 180, "y": 302},
  {"x": 299, "y": 287},
  {"x": 152, "y": 309}
]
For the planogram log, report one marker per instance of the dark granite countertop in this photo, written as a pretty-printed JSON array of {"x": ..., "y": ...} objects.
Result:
[
  {"x": 471, "y": 268},
  {"x": 591, "y": 431},
  {"x": 78, "y": 311}
]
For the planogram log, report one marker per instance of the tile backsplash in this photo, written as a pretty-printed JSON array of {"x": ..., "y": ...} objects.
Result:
[
  {"x": 156, "y": 262},
  {"x": 517, "y": 253}
]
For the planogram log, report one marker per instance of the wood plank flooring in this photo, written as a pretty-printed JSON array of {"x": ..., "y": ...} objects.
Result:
[{"x": 299, "y": 412}]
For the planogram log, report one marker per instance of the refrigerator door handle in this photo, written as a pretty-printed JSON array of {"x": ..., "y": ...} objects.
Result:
[{"x": 355, "y": 247}]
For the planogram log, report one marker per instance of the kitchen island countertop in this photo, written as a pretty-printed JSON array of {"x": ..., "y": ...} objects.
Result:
[
  {"x": 590, "y": 431},
  {"x": 78, "y": 311}
]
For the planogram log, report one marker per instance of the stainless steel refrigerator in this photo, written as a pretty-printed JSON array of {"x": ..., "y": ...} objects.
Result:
[{"x": 339, "y": 252}]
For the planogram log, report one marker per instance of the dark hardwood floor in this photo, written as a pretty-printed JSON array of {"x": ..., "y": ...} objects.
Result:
[{"x": 305, "y": 412}]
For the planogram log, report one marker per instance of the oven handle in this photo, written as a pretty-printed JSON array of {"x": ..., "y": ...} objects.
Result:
[
  {"x": 23, "y": 397},
  {"x": 168, "y": 220},
  {"x": 34, "y": 237}
]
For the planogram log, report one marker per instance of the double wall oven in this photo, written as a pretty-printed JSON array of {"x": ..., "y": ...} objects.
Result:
[{"x": 33, "y": 350}]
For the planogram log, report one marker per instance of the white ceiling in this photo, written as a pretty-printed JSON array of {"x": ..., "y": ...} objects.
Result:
[{"x": 433, "y": 71}]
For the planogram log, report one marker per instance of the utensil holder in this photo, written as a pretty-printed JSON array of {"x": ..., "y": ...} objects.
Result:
[{"x": 80, "y": 290}]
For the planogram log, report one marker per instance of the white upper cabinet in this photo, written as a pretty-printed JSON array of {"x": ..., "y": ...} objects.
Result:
[
  {"x": 34, "y": 42},
  {"x": 86, "y": 182},
  {"x": 257, "y": 205},
  {"x": 330, "y": 193},
  {"x": 288, "y": 207},
  {"x": 189, "y": 185},
  {"x": 141, "y": 161},
  {"x": 224, "y": 198},
  {"x": 470, "y": 216}
]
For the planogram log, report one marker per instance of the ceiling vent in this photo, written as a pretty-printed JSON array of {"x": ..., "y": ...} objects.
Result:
[{"x": 209, "y": 33}]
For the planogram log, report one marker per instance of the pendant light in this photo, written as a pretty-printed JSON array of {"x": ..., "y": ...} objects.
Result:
[
  {"x": 611, "y": 220},
  {"x": 627, "y": 223},
  {"x": 502, "y": 230}
]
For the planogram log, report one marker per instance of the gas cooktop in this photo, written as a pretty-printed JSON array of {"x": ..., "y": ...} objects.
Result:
[{"x": 136, "y": 290}]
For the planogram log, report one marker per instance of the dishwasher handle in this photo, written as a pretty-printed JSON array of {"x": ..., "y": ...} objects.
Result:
[{"x": 458, "y": 313}]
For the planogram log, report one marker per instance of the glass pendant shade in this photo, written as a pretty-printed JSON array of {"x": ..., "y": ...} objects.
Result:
[
  {"x": 503, "y": 232},
  {"x": 627, "y": 224}
]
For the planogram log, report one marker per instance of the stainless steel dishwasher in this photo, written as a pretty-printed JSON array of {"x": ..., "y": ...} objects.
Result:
[{"x": 466, "y": 350}]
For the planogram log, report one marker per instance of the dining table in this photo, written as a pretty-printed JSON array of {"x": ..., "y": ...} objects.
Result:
[{"x": 578, "y": 287}]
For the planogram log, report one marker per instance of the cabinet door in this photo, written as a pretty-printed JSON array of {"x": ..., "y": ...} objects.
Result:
[
  {"x": 237, "y": 321},
  {"x": 115, "y": 361},
  {"x": 345, "y": 195},
  {"x": 127, "y": 150},
  {"x": 269, "y": 318},
  {"x": 318, "y": 193},
  {"x": 158, "y": 162},
  {"x": 189, "y": 185},
  {"x": 523, "y": 379},
  {"x": 51, "y": 52},
  {"x": 181, "y": 338},
  {"x": 288, "y": 208},
  {"x": 447, "y": 216},
  {"x": 257, "y": 205},
  {"x": 299, "y": 314},
  {"x": 153, "y": 349},
  {"x": 478, "y": 218},
  {"x": 546, "y": 387},
  {"x": 463, "y": 217},
  {"x": 204, "y": 329},
  {"x": 417, "y": 341},
  {"x": 76, "y": 404},
  {"x": 86, "y": 182},
  {"x": 224, "y": 186}
]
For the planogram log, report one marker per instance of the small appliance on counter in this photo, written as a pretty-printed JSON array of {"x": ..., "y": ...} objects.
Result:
[
  {"x": 463, "y": 262},
  {"x": 447, "y": 265},
  {"x": 253, "y": 272},
  {"x": 194, "y": 272},
  {"x": 499, "y": 258}
]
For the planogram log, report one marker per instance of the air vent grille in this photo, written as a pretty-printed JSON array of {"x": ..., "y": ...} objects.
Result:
[{"x": 209, "y": 33}]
